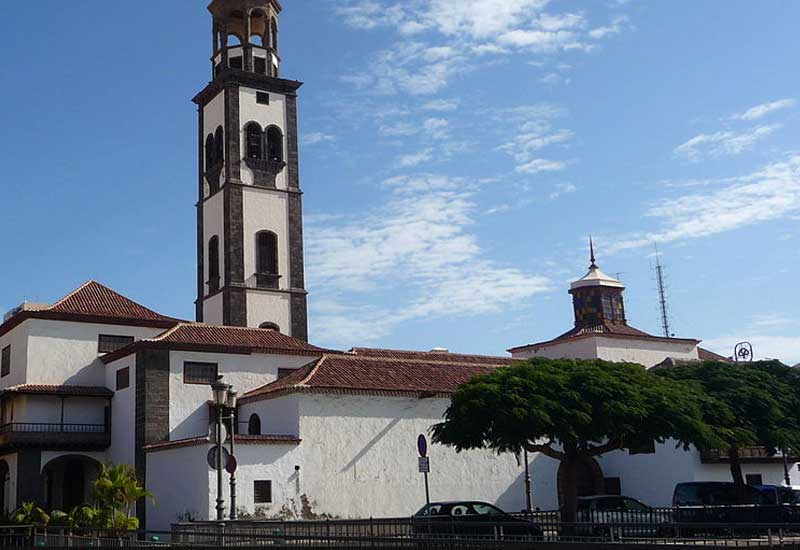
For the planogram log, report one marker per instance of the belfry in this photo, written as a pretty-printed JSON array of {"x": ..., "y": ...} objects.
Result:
[{"x": 249, "y": 212}]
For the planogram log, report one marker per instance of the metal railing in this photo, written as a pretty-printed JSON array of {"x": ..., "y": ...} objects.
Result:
[{"x": 51, "y": 427}]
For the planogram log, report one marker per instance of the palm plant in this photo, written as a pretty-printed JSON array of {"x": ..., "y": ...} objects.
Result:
[
  {"x": 116, "y": 491},
  {"x": 30, "y": 514}
]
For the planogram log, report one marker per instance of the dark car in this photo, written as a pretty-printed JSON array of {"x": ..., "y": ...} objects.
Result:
[
  {"x": 471, "y": 519},
  {"x": 626, "y": 515},
  {"x": 724, "y": 502}
]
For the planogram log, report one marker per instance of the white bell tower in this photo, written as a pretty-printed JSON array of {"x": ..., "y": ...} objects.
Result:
[{"x": 249, "y": 212}]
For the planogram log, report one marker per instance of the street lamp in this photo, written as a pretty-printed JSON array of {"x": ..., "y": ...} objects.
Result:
[{"x": 224, "y": 398}]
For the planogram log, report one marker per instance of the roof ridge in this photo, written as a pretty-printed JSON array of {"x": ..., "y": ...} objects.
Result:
[
  {"x": 428, "y": 352},
  {"x": 73, "y": 293},
  {"x": 160, "y": 337},
  {"x": 418, "y": 360},
  {"x": 312, "y": 372}
]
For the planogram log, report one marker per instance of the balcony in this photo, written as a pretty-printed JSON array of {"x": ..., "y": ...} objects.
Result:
[
  {"x": 747, "y": 455},
  {"x": 55, "y": 436}
]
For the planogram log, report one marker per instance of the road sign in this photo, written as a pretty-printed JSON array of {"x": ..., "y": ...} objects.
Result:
[
  {"x": 231, "y": 464},
  {"x": 213, "y": 429},
  {"x": 424, "y": 465},
  {"x": 212, "y": 457},
  {"x": 422, "y": 445}
]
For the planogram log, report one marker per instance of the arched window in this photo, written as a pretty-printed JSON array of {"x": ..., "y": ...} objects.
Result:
[
  {"x": 270, "y": 326},
  {"x": 254, "y": 141},
  {"x": 213, "y": 264},
  {"x": 274, "y": 144},
  {"x": 258, "y": 22},
  {"x": 254, "y": 425},
  {"x": 273, "y": 29},
  {"x": 233, "y": 40},
  {"x": 267, "y": 253},
  {"x": 210, "y": 161},
  {"x": 219, "y": 145}
]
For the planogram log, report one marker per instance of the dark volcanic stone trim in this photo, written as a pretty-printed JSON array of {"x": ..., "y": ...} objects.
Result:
[
  {"x": 296, "y": 268},
  {"x": 234, "y": 306},
  {"x": 251, "y": 80},
  {"x": 200, "y": 234},
  {"x": 29, "y": 477},
  {"x": 291, "y": 142},
  {"x": 233, "y": 157},
  {"x": 299, "y": 317},
  {"x": 151, "y": 411}
]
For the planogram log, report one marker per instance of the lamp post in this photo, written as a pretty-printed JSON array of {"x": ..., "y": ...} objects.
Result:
[
  {"x": 220, "y": 391},
  {"x": 231, "y": 404}
]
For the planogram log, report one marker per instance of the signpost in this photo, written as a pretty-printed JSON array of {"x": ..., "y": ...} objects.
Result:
[{"x": 424, "y": 464}]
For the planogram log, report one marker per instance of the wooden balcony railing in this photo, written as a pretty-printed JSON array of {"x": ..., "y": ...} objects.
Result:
[{"x": 56, "y": 435}]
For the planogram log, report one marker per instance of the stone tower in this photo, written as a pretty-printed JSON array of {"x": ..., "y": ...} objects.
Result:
[
  {"x": 597, "y": 299},
  {"x": 249, "y": 210}
]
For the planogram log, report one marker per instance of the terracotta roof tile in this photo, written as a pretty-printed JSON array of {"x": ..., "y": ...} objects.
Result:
[
  {"x": 438, "y": 356},
  {"x": 707, "y": 355},
  {"x": 347, "y": 373},
  {"x": 72, "y": 391},
  {"x": 95, "y": 299}
]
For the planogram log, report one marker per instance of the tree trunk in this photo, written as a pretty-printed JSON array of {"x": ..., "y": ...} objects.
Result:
[
  {"x": 569, "y": 489},
  {"x": 736, "y": 467}
]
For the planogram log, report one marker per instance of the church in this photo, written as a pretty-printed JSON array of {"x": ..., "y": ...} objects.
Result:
[{"x": 96, "y": 377}]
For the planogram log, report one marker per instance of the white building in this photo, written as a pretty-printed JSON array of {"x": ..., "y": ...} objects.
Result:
[{"x": 96, "y": 377}]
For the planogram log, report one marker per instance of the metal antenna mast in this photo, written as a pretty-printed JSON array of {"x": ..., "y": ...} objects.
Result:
[{"x": 662, "y": 295}]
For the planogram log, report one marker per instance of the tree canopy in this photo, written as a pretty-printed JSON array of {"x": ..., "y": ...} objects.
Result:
[{"x": 754, "y": 404}]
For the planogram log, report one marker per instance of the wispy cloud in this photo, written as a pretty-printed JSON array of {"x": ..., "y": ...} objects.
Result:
[
  {"x": 419, "y": 247},
  {"x": 758, "y": 111},
  {"x": 783, "y": 348},
  {"x": 724, "y": 143},
  {"x": 562, "y": 189},
  {"x": 312, "y": 138},
  {"x": 415, "y": 159},
  {"x": 540, "y": 165},
  {"x": 771, "y": 193},
  {"x": 618, "y": 24}
]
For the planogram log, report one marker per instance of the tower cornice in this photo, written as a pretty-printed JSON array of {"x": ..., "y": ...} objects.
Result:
[{"x": 245, "y": 78}]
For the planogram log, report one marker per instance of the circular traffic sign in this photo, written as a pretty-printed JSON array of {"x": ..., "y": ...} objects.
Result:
[
  {"x": 231, "y": 464},
  {"x": 212, "y": 457},
  {"x": 422, "y": 445}
]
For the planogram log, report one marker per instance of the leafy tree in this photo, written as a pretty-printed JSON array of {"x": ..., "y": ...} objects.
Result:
[
  {"x": 570, "y": 410},
  {"x": 116, "y": 491},
  {"x": 755, "y": 404}
]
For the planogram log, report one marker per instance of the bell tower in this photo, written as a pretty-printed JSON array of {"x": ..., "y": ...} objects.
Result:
[
  {"x": 249, "y": 209},
  {"x": 597, "y": 299}
]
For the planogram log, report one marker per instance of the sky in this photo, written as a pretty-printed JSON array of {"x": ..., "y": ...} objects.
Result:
[{"x": 455, "y": 156}]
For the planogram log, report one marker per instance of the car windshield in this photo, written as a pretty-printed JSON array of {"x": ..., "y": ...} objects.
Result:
[
  {"x": 715, "y": 494},
  {"x": 483, "y": 509},
  {"x": 459, "y": 509}
]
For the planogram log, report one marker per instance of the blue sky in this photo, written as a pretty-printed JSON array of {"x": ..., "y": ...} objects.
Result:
[{"x": 455, "y": 157}]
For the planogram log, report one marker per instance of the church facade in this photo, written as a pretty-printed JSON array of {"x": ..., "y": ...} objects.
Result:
[{"x": 96, "y": 377}]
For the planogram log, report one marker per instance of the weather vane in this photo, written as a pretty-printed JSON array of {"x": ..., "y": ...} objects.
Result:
[{"x": 743, "y": 352}]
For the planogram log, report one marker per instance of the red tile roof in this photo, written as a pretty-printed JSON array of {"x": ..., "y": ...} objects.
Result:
[
  {"x": 434, "y": 355},
  {"x": 349, "y": 373},
  {"x": 606, "y": 329},
  {"x": 707, "y": 355},
  {"x": 222, "y": 339},
  {"x": 67, "y": 391},
  {"x": 96, "y": 303}
]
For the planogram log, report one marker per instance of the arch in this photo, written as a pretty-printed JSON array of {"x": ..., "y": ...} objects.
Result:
[
  {"x": 258, "y": 27},
  {"x": 254, "y": 141},
  {"x": 254, "y": 425},
  {"x": 233, "y": 40},
  {"x": 269, "y": 326},
  {"x": 210, "y": 152},
  {"x": 219, "y": 145},
  {"x": 273, "y": 33},
  {"x": 213, "y": 263},
  {"x": 68, "y": 481},
  {"x": 267, "y": 253},
  {"x": 274, "y": 144},
  {"x": 5, "y": 477}
]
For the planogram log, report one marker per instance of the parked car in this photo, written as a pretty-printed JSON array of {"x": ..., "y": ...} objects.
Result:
[
  {"x": 723, "y": 502},
  {"x": 626, "y": 515},
  {"x": 471, "y": 519}
]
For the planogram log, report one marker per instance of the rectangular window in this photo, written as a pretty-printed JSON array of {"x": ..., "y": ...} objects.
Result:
[
  {"x": 109, "y": 343},
  {"x": 260, "y": 66},
  {"x": 199, "y": 373},
  {"x": 262, "y": 492},
  {"x": 5, "y": 361},
  {"x": 283, "y": 373},
  {"x": 123, "y": 378},
  {"x": 753, "y": 479},
  {"x": 262, "y": 97}
]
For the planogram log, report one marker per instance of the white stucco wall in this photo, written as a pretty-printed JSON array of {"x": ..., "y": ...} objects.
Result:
[
  {"x": 212, "y": 310},
  {"x": 213, "y": 117},
  {"x": 358, "y": 449},
  {"x": 178, "y": 479},
  {"x": 213, "y": 224},
  {"x": 265, "y": 209},
  {"x": 188, "y": 412},
  {"x": 17, "y": 338},
  {"x": 62, "y": 352},
  {"x": 280, "y": 416},
  {"x": 582, "y": 348},
  {"x": 643, "y": 352},
  {"x": 265, "y": 115},
  {"x": 272, "y": 307},
  {"x": 47, "y": 409},
  {"x": 123, "y": 412}
]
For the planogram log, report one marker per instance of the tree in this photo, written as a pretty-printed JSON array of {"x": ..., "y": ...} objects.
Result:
[
  {"x": 570, "y": 410},
  {"x": 116, "y": 491},
  {"x": 755, "y": 404}
]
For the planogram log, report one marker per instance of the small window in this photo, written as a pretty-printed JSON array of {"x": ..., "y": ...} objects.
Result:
[
  {"x": 213, "y": 264},
  {"x": 235, "y": 62},
  {"x": 109, "y": 343},
  {"x": 199, "y": 373},
  {"x": 254, "y": 425},
  {"x": 5, "y": 362},
  {"x": 253, "y": 141},
  {"x": 260, "y": 67},
  {"x": 123, "y": 378},
  {"x": 269, "y": 326},
  {"x": 262, "y": 97},
  {"x": 267, "y": 252},
  {"x": 262, "y": 491},
  {"x": 274, "y": 144},
  {"x": 753, "y": 479},
  {"x": 283, "y": 373}
]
